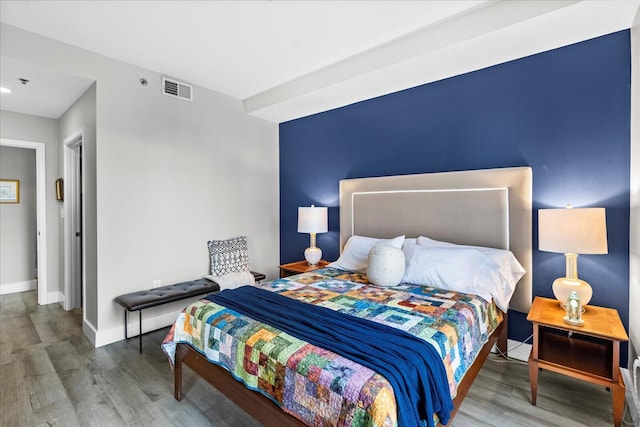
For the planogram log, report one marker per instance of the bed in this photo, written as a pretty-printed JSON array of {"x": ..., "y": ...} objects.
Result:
[{"x": 487, "y": 208}]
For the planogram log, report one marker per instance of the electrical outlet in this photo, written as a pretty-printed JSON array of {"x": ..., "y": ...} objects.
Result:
[{"x": 157, "y": 283}]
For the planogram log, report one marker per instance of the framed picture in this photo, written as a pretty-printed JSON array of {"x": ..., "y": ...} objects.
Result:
[
  {"x": 9, "y": 191},
  {"x": 59, "y": 190}
]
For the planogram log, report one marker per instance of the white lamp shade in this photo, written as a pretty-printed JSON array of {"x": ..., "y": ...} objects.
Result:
[
  {"x": 312, "y": 219},
  {"x": 572, "y": 230}
]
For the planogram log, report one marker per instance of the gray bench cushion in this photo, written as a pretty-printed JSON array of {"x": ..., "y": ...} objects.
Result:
[
  {"x": 150, "y": 298},
  {"x": 166, "y": 294}
]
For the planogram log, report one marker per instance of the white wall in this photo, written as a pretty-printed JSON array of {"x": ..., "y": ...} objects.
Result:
[
  {"x": 634, "y": 235},
  {"x": 170, "y": 174},
  {"x": 18, "y": 260},
  {"x": 39, "y": 129}
]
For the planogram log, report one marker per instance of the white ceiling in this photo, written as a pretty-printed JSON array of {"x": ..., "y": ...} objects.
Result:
[
  {"x": 47, "y": 93},
  {"x": 287, "y": 59}
]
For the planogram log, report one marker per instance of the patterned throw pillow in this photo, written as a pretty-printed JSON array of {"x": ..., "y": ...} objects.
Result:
[{"x": 228, "y": 256}]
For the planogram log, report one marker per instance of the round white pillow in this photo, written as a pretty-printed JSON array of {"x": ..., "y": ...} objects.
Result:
[{"x": 385, "y": 265}]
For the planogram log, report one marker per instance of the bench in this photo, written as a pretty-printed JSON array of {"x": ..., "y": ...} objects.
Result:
[{"x": 138, "y": 301}]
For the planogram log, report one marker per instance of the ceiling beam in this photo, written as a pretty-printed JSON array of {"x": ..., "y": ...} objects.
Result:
[{"x": 479, "y": 21}]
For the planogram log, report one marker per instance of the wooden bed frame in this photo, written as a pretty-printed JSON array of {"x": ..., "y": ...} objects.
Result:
[{"x": 444, "y": 195}]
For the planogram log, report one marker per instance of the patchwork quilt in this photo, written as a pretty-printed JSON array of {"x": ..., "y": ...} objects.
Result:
[{"x": 320, "y": 387}]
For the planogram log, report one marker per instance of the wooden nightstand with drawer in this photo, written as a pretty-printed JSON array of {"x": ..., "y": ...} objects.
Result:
[{"x": 589, "y": 352}]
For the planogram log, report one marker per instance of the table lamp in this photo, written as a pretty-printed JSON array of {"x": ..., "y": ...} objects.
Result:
[
  {"x": 572, "y": 231},
  {"x": 312, "y": 220}
]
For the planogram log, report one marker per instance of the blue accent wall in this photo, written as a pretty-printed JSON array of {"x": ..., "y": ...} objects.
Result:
[{"x": 565, "y": 113}]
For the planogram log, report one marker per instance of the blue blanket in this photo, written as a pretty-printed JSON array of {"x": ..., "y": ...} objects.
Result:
[{"x": 411, "y": 365}]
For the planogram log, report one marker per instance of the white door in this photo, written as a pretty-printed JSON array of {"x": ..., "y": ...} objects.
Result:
[{"x": 73, "y": 230}]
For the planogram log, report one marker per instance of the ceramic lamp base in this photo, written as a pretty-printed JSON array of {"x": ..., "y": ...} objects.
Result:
[
  {"x": 313, "y": 255},
  {"x": 563, "y": 286},
  {"x": 573, "y": 321}
]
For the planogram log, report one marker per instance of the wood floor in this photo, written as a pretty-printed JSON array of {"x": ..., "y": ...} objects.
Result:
[{"x": 50, "y": 374}]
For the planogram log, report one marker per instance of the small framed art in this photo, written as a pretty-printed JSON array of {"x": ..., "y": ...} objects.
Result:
[{"x": 9, "y": 191}]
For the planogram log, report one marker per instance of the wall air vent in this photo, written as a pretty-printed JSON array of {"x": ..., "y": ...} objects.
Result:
[{"x": 177, "y": 89}]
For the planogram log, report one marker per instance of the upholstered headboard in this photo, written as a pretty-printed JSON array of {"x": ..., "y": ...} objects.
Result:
[{"x": 490, "y": 207}]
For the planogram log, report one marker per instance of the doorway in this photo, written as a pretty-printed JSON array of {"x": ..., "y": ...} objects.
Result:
[
  {"x": 73, "y": 222},
  {"x": 41, "y": 214}
]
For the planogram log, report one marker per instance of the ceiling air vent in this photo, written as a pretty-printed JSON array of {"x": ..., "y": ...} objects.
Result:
[{"x": 177, "y": 89}]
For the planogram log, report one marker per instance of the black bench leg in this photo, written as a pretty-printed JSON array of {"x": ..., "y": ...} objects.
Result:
[
  {"x": 126, "y": 327},
  {"x": 126, "y": 324}
]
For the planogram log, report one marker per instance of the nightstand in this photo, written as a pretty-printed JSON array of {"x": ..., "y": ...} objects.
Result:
[
  {"x": 590, "y": 352},
  {"x": 300, "y": 267}
]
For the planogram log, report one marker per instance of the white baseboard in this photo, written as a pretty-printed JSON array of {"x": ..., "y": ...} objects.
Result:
[
  {"x": 112, "y": 335},
  {"x": 516, "y": 350},
  {"x": 519, "y": 350},
  {"x": 90, "y": 331},
  {"x": 54, "y": 296},
  {"x": 12, "y": 288},
  {"x": 634, "y": 407}
]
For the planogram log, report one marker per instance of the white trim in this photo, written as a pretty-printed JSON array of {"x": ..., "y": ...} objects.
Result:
[
  {"x": 435, "y": 190},
  {"x": 633, "y": 403},
  {"x": 71, "y": 289},
  {"x": 517, "y": 350},
  {"x": 53, "y": 297},
  {"x": 634, "y": 193},
  {"x": 41, "y": 210},
  {"x": 112, "y": 335},
  {"x": 12, "y": 288},
  {"x": 89, "y": 331}
]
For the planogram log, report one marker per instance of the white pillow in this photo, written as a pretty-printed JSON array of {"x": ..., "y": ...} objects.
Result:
[
  {"x": 411, "y": 240},
  {"x": 408, "y": 247},
  {"x": 510, "y": 269},
  {"x": 386, "y": 265},
  {"x": 456, "y": 269},
  {"x": 356, "y": 252},
  {"x": 232, "y": 280}
]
